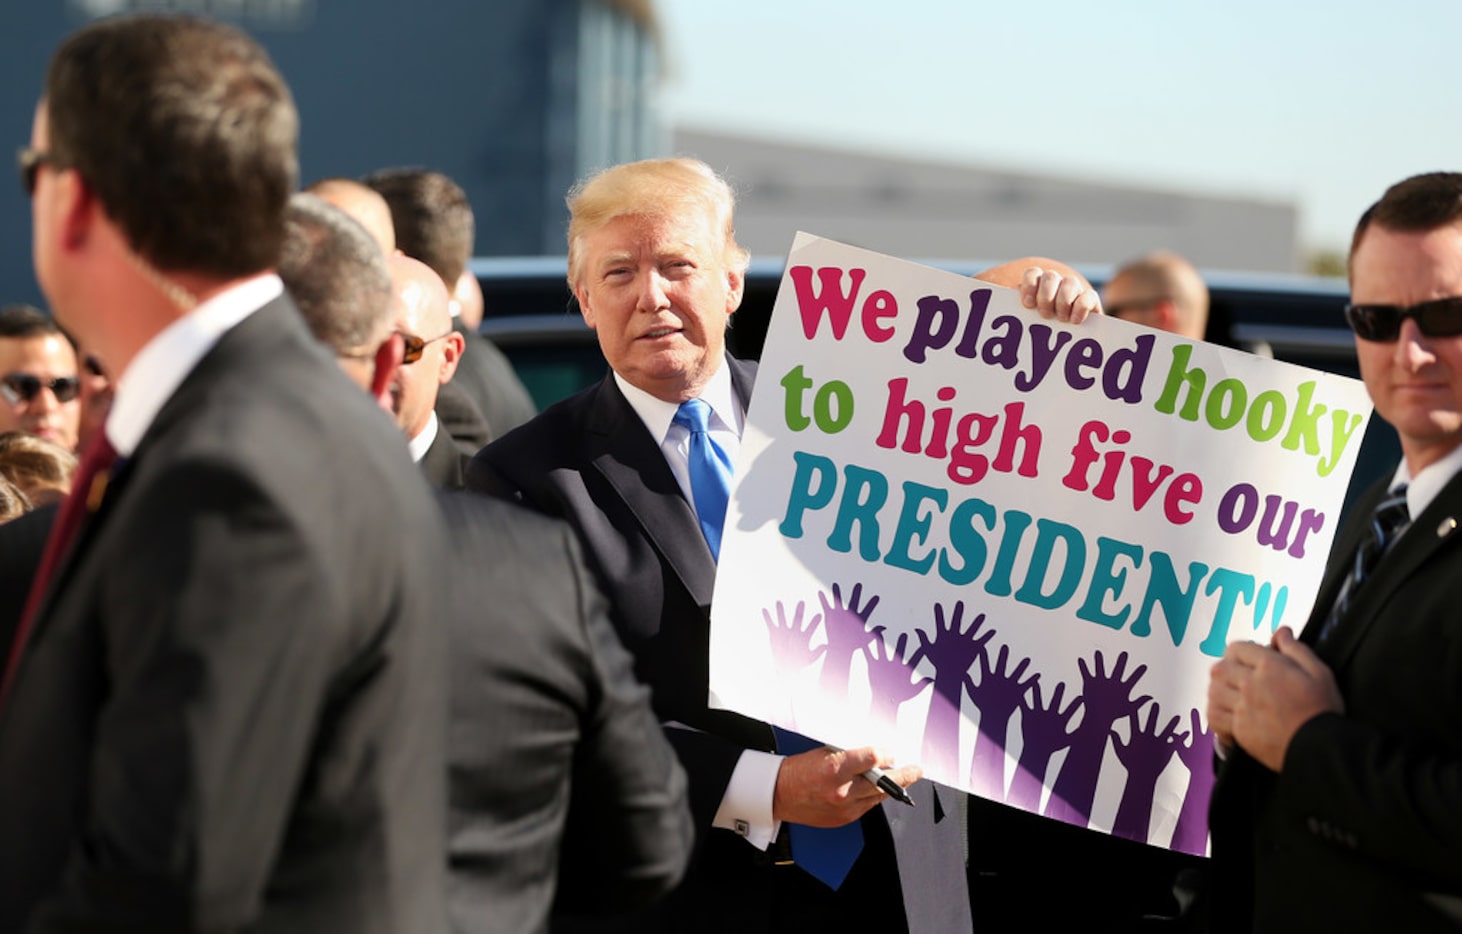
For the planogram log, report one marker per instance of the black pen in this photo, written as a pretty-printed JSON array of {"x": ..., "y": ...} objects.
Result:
[
  {"x": 888, "y": 786},
  {"x": 883, "y": 783}
]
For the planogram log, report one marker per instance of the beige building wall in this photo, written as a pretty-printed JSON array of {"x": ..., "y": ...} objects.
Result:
[{"x": 930, "y": 210}]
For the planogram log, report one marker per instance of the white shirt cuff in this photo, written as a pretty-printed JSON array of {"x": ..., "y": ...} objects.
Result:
[{"x": 746, "y": 808}]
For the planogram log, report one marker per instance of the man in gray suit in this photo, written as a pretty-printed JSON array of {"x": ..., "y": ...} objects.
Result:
[{"x": 225, "y": 708}]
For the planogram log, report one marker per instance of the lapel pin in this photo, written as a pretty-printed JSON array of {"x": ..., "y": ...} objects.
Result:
[{"x": 1445, "y": 527}]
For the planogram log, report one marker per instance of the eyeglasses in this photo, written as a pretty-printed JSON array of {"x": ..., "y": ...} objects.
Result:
[
  {"x": 416, "y": 345},
  {"x": 1441, "y": 317},
  {"x": 23, "y": 387},
  {"x": 30, "y": 161},
  {"x": 1127, "y": 308}
]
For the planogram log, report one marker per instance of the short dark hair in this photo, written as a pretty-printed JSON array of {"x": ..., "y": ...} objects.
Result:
[
  {"x": 1415, "y": 205},
  {"x": 336, "y": 273},
  {"x": 187, "y": 134},
  {"x": 25, "y": 321},
  {"x": 432, "y": 217}
]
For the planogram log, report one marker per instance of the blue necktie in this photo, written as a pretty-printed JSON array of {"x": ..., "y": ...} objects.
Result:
[
  {"x": 710, "y": 471},
  {"x": 826, "y": 853}
]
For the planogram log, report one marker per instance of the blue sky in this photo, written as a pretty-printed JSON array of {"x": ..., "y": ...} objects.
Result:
[{"x": 1320, "y": 105}]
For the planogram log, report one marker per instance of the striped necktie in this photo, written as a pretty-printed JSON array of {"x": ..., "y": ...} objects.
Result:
[{"x": 1387, "y": 523}]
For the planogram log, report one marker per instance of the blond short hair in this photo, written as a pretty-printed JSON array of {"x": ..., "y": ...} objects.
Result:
[{"x": 653, "y": 188}]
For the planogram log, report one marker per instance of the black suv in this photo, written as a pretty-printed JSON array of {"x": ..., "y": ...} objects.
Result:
[{"x": 532, "y": 316}]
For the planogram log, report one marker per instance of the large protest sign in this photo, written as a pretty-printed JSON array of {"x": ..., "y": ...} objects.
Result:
[{"x": 1010, "y": 549}]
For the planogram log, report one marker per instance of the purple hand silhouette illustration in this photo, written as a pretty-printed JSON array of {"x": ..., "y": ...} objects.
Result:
[
  {"x": 792, "y": 649},
  {"x": 951, "y": 652},
  {"x": 1145, "y": 755},
  {"x": 1105, "y": 699},
  {"x": 892, "y": 678},
  {"x": 847, "y": 632},
  {"x": 998, "y": 696},
  {"x": 1191, "y": 834},
  {"x": 1044, "y": 732}
]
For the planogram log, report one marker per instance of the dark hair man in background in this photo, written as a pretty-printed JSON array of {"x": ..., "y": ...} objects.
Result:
[
  {"x": 434, "y": 224},
  {"x": 225, "y": 707},
  {"x": 1339, "y": 804}
]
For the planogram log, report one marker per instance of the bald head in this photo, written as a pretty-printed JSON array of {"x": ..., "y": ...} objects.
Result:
[
  {"x": 362, "y": 203},
  {"x": 1160, "y": 290},
  {"x": 424, "y": 318}
]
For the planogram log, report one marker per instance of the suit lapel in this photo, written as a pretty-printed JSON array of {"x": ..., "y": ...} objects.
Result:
[
  {"x": 622, "y": 451},
  {"x": 1429, "y": 534}
]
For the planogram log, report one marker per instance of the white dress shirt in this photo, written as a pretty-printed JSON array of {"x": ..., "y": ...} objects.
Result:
[
  {"x": 746, "y": 807},
  {"x": 165, "y": 361}
]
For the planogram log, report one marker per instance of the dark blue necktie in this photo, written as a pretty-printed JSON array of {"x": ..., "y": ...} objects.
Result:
[
  {"x": 710, "y": 471},
  {"x": 1387, "y": 522},
  {"x": 826, "y": 853}
]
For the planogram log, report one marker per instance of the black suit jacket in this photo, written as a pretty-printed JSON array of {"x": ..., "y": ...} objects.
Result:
[
  {"x": 590, "y": 460},
  {"x": 555, "y": 752},
  {"x": 22, "y": 540},
  {"x": 443, "y": 463},
  {"x": 1362, "y": 828},
  {"x": 486, "y": 374},
  {"x": 228, "y": 715}
]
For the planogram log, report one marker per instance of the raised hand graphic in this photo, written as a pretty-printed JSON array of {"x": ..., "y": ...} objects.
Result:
[
  {"x": 792, "y": 649},
  {"x": 1145, "y": 754},
  {"x": 847, "y": 632},
  {"x": 1105, "y": 699},
  {"x": 998, "y": 696},
  {"x": 951, "y": 652},
  {"x": 1044, "y": 731},
  {"x": 1191, "y": 834},
  {"x": 892, "y": 678}
]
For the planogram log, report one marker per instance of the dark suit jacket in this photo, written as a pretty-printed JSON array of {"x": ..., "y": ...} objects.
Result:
[
  {"x": 22, "y": 540},
  {"x": 227, "y": 715},
  {"x": 443, "y": 462},
  {"x": 556, "y": 756},
  {"x": 461, "y": 418},
  {"x": 486, "y": 374},
  {"x": 590, "y": 460},
  {"x": 1362, "y": 828}
]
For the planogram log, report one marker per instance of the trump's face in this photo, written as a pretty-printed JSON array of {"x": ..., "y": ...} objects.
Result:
[{"x": 659, "y": 291}]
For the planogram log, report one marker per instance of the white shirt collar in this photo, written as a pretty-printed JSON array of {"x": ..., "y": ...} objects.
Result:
[
  {"x": 658, "y": 415},
  {"x": 165, "y": 361},
  {"x": 423, "y": 441},
  {"x": 1424, "y": 487}
]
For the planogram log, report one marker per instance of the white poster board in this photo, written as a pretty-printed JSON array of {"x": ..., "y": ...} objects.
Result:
[{"x": 1010, "y": 549}]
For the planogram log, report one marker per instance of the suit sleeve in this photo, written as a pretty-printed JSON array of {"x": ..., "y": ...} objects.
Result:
[
  {"x": 1367, "y": 790},
  {"x": 217, "y": 674},
  {"x": 629, "y": 833}
]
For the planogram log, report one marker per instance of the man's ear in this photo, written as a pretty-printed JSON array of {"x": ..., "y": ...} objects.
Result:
[
  {"x": 452, "y": 347},
  {"x": 736, "y": 279},
  {"x": 388, "y": 361},
  {"x": 582, "y": 295},
  {"x": 1166, "y": 314}
]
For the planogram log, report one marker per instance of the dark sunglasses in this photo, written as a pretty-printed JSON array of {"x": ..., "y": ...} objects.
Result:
[
  {"x": 1439, "y": 318},
  {"x": 416, "y": 345},
  {"x": 30, "y": 161},
  {"x": 23, "y": 387}
]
